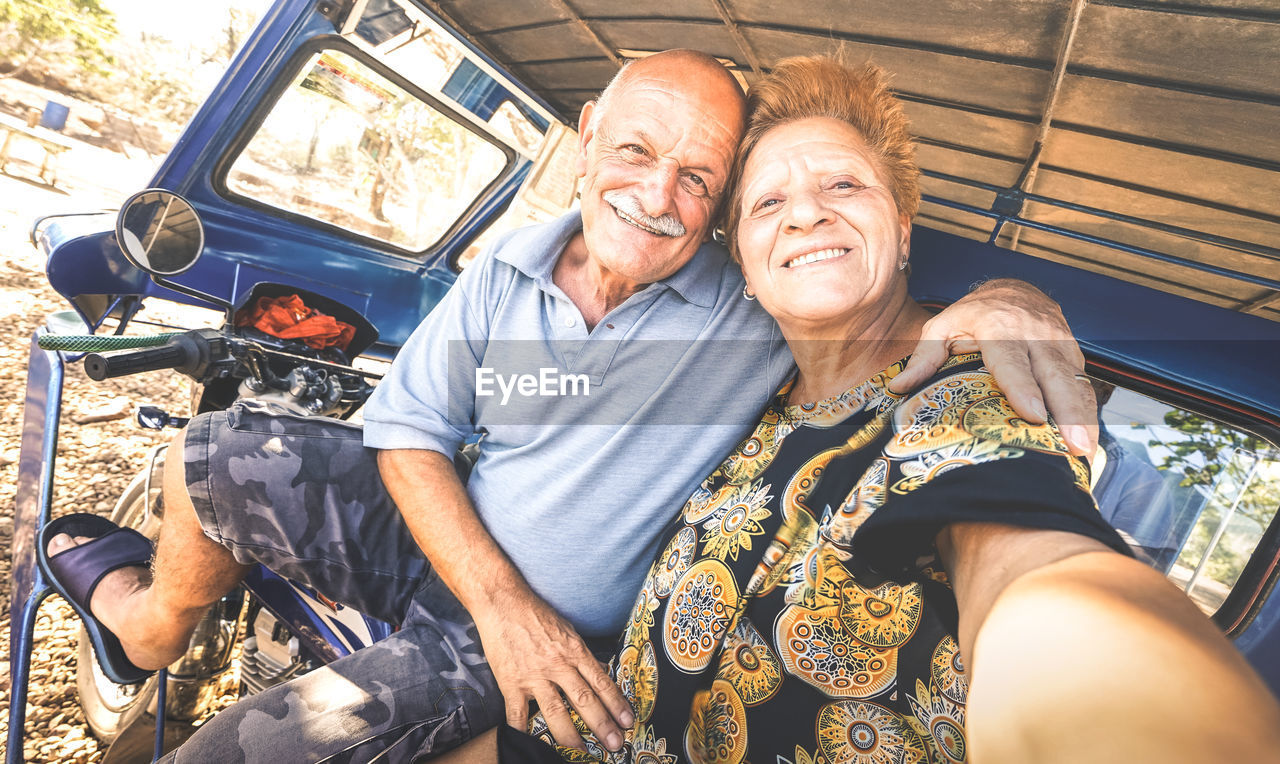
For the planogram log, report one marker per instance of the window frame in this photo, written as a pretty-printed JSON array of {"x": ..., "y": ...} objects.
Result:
[
  {"x": 1261, "y": 572},
  {"x": 271, "y": 96}
]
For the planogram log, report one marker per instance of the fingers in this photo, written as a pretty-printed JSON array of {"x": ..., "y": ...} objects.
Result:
[
  {"x": 557, "y": 671},
  {"x": 1070, "y": 398},
  {"x": 589, "y": 691},
  {"x": 1027, "y": 346},
  {"x": 517, "y": 711},
  {"x": 929, "y": 354},
  {"x": 598, "y": 700},
  {"x": 593, "y": 712},
  {"x": 1011, "y": 365},
  {"x": 612, "y": 696},
  {"x": 559, "y": 722}
]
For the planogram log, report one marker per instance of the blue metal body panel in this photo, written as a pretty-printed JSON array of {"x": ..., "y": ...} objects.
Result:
[
  {"x": 40, "y": 413},
  {"x": 280, "y": 597},
  {"x": 1191, "y": 344}
]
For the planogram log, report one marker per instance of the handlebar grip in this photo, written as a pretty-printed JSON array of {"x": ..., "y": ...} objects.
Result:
[{"x": 173, "y": 355}]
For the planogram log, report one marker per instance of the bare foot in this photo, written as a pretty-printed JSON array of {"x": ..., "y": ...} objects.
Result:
[{"x": 120, "y": 602}]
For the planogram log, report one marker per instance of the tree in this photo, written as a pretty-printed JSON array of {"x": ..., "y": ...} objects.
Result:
[
  {"x": 239, "y": 23},
  {"x": 37, "y": 28},
  {"x": 1227, "y": 461}
]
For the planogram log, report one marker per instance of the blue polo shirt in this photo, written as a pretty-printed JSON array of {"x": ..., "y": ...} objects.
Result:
[{"x": 592, "y": 440}]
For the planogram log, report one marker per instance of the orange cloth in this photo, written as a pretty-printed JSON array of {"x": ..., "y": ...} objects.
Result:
[{"x": 289, "y": 318}]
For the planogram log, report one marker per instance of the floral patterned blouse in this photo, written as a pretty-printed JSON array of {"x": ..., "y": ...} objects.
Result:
[{"x": 796, "y": 612}]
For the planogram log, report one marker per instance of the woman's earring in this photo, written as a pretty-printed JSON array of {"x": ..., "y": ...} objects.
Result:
[
  {"x": 902, "y": 266},
  {"x": 746, "y": 295}
]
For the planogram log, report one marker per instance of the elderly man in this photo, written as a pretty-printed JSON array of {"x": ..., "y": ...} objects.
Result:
[{"x": 507, "y": 587}]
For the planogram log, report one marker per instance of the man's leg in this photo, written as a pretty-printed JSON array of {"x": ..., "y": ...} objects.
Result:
[
  {"x": 301, "y": 495},
  {"x": 304, "y": 497},
  {"x": 154, "y": 611},
  {"x": 422, "y": 691}
]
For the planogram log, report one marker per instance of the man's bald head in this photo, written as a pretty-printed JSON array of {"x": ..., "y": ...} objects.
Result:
[
  {"x": 654, "y": 157},
  {"x": 701, "y": 76}
]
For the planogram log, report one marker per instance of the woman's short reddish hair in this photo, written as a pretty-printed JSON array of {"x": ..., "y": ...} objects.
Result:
[{"x": 818, "y": 86}]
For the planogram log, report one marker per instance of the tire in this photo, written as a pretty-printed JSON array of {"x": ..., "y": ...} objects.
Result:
[{"x": 109, "y": 707}]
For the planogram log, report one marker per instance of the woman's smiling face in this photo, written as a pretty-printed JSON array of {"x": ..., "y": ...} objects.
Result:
[{"x": 820, "y": 237}]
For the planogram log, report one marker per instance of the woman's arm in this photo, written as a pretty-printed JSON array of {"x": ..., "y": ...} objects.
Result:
[{"x": 1078, "y": 653}]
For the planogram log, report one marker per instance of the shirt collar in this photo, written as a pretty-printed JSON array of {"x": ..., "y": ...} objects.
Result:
[{"x": 535, "y": 250}]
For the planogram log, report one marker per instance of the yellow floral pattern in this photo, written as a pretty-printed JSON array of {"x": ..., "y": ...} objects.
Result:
[
  {"x": 762, "y": 632},
  {"x": 673, "y": 561},
  {"x": 883, "y": 617},
  {"x": 717, "y": 731},
  {"x": 866, "y": 733},
  {"x": 648, "y": 749},
  {"x": 637, "y": 677},
  {"x": 749, "y": 665},
  {"x": 731, "y": 527},
  {"x": 703, "y": 603}
]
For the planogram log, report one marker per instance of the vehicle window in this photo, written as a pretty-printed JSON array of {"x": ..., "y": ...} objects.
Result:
[
  {"x": 548, "y": 192},
  {"x": 412, "y": 44},
  {"x": 513, "y": 124},
  {"x": 346, "y": 146},
  {"x": 1193, "y": 496}
]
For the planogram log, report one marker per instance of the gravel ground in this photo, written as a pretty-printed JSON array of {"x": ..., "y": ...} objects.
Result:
[{"x": 95, "y": 459}]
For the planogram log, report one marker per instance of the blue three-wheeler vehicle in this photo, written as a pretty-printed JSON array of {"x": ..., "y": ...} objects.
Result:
[{"x": 1120, "y": 154}]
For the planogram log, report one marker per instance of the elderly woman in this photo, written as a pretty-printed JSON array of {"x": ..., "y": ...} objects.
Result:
[{"x": 874, "y": 577}]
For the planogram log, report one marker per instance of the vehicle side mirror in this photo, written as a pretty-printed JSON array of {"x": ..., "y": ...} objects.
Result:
[{"x": 159, "y": 232}]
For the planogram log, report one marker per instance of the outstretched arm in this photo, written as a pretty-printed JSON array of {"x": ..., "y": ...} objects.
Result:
[
  {"x": 1027, "y": 345},
  {"x": 533, "y": 652},
  {"x": 1078, "y": 653}
]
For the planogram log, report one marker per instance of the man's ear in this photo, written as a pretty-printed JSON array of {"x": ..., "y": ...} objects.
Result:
[{"x": 586, "y": 133}]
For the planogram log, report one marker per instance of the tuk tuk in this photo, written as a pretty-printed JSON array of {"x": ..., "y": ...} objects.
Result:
[{"x": 1119, "y": 154}]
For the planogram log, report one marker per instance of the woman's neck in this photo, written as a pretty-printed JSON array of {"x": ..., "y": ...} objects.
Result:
[{"x": 869, "y": 343}]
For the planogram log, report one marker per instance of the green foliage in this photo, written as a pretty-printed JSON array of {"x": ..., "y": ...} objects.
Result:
[
  {"x": 36, "y": 29},
  {"x": 1226, "y": 461}
]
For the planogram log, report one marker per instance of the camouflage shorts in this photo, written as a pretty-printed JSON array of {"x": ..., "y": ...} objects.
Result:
[{"x": 302, "y": 495}]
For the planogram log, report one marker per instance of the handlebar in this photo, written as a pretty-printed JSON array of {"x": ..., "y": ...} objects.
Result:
[
  {"x": 100, "y": 367},
  {"x": 191, "y": 353},
  {"x": 188, "y": 352}
]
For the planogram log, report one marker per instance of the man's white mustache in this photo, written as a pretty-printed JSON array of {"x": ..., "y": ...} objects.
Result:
[{"x": 630, "y": 206}]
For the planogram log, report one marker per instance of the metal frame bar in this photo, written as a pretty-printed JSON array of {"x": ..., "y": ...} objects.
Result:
[
  {"x": 1092, "y": 178},
  {"x": 1136, "y": 140},
  {"x": 352, "y": 19},
  {"x": 576, "y": 18},
  {"x": 1108, "y": 243},
  {"x": 41, "y": 411},
  {"x": 1205, "y": 11},
  {"x": 1268, "y": 300},
  {"x": 1185, "y": 233},
  {"x": 1131, "y": 139},
  {"x": 938, "y": 222},
  {"x": 1027, "y": 178},
  {"x": 739, "y": 38},
  {"x": 943, "y": 50}
]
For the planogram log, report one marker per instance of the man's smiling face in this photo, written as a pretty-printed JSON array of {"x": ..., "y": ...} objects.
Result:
[{"x": 655, "y": 157}]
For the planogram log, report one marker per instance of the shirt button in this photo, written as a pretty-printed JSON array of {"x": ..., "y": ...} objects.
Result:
[{"x": 571, "y": 321}]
